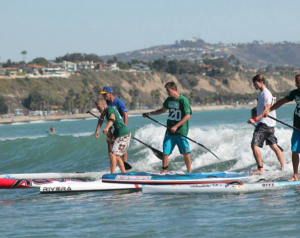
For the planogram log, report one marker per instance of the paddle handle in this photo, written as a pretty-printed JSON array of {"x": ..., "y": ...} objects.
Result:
[
  {"x": 183, "y": 136},
  {"x": 295, "y": 128}
]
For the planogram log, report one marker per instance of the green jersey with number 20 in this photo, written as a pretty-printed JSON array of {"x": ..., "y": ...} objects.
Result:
[{"x": 178, "y": 108}]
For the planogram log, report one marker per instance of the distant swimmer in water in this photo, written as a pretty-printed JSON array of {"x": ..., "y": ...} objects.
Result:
[{"x": 52, "y": 130}]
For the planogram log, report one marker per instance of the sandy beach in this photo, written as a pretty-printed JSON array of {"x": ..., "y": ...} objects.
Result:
[{"x": 24, "y": 119}]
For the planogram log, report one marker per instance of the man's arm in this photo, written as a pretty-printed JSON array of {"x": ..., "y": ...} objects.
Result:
[
  {"x": 157, "y": 112},
  {"x": 268, "y": 108},
  {"x": 180, "y": 123},
  {"x": 100, "y": 122},
  {"x": 125, "y": 118},
  {"x": 110, "y": 122},
  {"x": 261, "y": 116},
  {"x": 278, "y": 104}
]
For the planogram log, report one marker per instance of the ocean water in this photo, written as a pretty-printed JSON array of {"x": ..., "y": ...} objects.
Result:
[{"x": 28, "y": 148}]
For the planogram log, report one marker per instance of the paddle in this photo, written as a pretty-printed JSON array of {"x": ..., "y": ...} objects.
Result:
[
  {"x": 183, "y": 136},
  {"x": 254, "y": 114},
  {"x": 158, "y": 153},
  {"x": 126, "y": 165},
  {"x": 295, "y": 128}
]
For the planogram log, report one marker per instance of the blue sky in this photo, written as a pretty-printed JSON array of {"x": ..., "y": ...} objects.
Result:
[{"x": 54, "y": 28}]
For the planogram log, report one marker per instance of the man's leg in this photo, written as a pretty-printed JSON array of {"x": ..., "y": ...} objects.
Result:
[
  {"x": 188, "y": 163},
  {"x": 125, "y": 157},
  {"x": 111, "y": 157},
  {"x": 168, "y": 146},
  {"x": 295, "y": 159},
  {"x": 278, "y": 153},
  {"x": 120, "y": 163},
  {"x": 119, "y": 147},
  {"x": 257, "y": 156},
  {"x": 165, "y": 163},
  {"x": 184, "y": 148},
  {"x": 113, "y": 163}
]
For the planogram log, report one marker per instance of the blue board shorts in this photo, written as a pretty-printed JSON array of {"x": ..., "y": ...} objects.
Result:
[
  {"x": 296, "y": 141},
  {"x": 170, "y": 141}
]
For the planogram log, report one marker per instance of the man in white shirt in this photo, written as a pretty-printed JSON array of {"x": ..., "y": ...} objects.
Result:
[{"x": 265, "y": 126}]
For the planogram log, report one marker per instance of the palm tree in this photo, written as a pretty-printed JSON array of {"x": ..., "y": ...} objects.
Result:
[
  {"x": 152, "y": 95},
  {"x": 157, "y": 96},
  {"x": 24, "y": 53}
]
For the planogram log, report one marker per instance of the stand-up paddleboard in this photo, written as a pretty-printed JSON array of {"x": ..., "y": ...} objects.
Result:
[
  {"x": 64, "y": 187},
  {"x": 216, "y": 188},
  {"x": 76, "y": 175},
  {"x": 173, "y": 177},
  {"x": 11, "y": 183}
]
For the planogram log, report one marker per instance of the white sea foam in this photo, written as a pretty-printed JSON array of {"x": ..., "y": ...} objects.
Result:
[
  {"x": 228, "y": 142},
  {"x": 41, "y": 121},
  {"x": 71, "y": 119},
  {"x": 83, "y": 134},
  {"x": 22, "y": 137},
  {"x": 91, "y": 118},
  {"x": 19, "y": 123}
]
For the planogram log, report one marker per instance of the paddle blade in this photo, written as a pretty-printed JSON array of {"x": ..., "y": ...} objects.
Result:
[
  {"x": 158, "y": 153},
  {"x": 127, "y": 166}
]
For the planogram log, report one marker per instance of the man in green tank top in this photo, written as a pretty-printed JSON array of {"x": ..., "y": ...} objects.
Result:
[
  {"x": 121, "y": 133},
  {"x": 178, "y": 121}
]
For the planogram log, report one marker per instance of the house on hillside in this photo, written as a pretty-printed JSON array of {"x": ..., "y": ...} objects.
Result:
[
  {"x": 18, "y": 112},
  {"x": 106, "y": 67},
  {"x": 85, "y": 65},
  {"x": 54, "y": 71},
  {"x": 2, "y": 71},
  {"x": 69, "y": 66},
  {"x": 13, "y": 70},
  {"x": 140, "y": 68},
  {"x": 33, "y": 69}
]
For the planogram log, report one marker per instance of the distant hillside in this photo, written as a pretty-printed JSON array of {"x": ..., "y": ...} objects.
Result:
[
  {"x": 199, "y": 89},
  {"x": 256, "y": 54}
]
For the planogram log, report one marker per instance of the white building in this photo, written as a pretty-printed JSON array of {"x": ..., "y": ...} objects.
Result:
[
  {"x": 85, "y": 65},
  {"x": 69, "y": 66}
]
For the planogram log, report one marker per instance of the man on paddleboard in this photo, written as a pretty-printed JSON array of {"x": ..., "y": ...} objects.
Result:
[
  {"x": 264, "y": 131},
  {"x": 293, "y": 95},
  {"x": 121, "y": 134},
  {"x": 118, "y": 104},
  {"x": 178, "y": 121}
]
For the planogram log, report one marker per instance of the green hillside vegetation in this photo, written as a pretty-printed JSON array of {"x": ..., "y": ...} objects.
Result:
[
  {"x": 276, "y": 54},
  {"x": 136, "y": 89}
]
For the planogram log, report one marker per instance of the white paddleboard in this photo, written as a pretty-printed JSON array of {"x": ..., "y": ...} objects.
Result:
[
  {"x": 216, "y": 188},
  {"x": 75, "y": 175},
  {"x": 70, "y": 186}
]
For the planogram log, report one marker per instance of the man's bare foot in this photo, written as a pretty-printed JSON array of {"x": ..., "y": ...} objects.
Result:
[
  {"x": 294, "y": 178},
  {"x": 258, "y": 171}
]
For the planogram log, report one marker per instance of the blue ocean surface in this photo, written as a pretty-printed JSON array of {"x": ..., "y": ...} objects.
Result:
[{"x": 29, "y": 148}]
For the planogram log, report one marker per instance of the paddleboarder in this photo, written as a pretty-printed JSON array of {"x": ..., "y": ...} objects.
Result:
[
  {"x": 178, "y": 121},
  {"x": 293, "y": 95},
  {"x": 117, "y": 103},
  {"x": 264, "y": 131},
  {"x": 121, "y": 134}
]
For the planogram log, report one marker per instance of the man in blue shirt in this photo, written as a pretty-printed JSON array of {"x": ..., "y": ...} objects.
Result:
[{"x": 118, "y": 104}]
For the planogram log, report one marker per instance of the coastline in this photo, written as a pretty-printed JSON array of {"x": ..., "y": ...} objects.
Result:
[{"x": 27, "y": 119}]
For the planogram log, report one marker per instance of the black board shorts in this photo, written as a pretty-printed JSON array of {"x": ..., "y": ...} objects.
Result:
[{"x": 263, "y": 133}]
